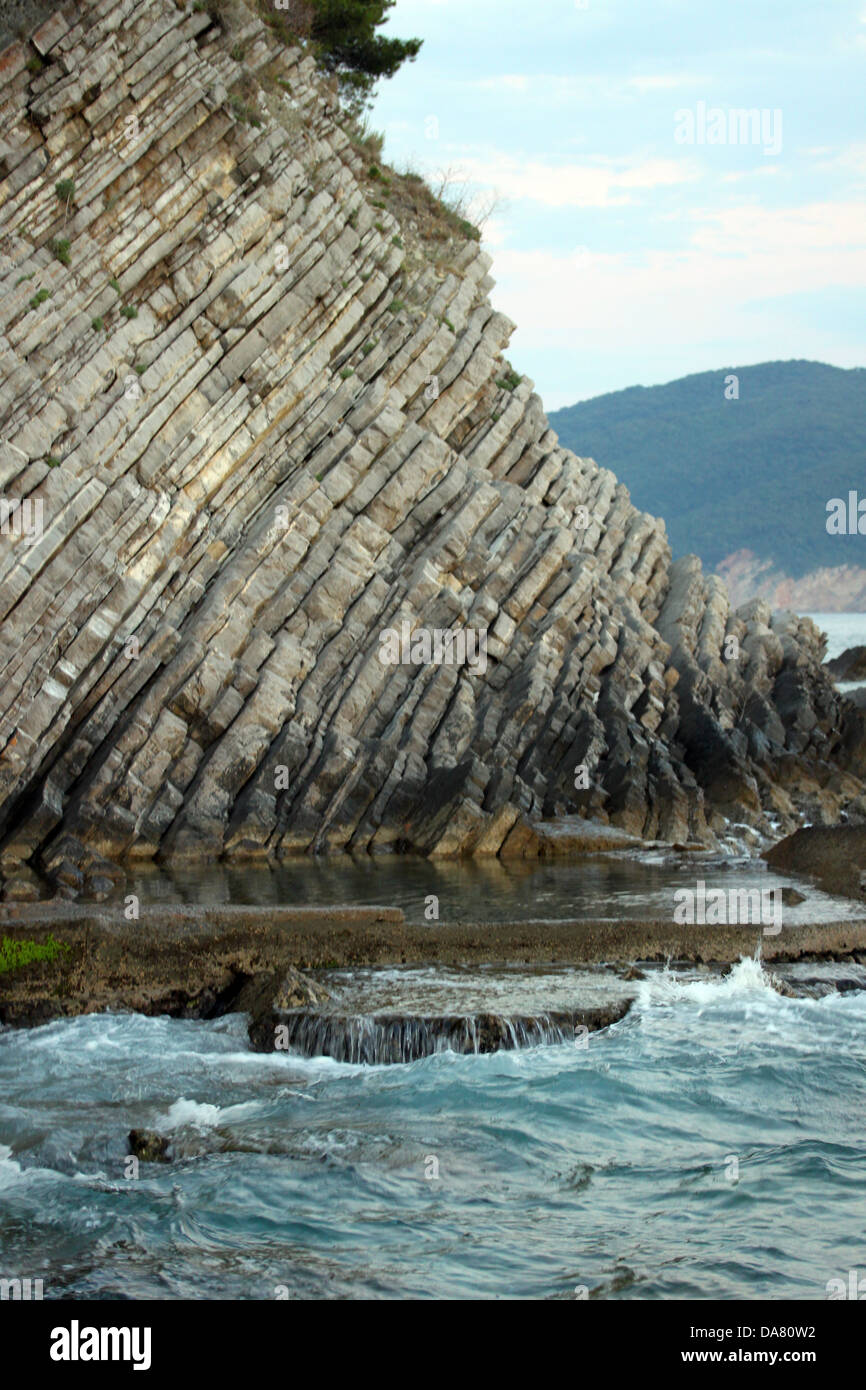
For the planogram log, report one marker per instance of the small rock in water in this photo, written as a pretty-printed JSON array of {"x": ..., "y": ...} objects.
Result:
[
  {"x": 267, "y": 997},
  {"x": 277, "y": 992},
  {"x": 790, "y": 897},
  {"x": 98, "y": 888},
  {"x": 633, "y": 973},
  {"x": 149, "y": 1146},
  {"x": 782, "y": 987},
  {"x": 297, "y": 991}
]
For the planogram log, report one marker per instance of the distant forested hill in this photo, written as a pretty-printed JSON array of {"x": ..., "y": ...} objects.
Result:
[{"x": 754, "y": 473}]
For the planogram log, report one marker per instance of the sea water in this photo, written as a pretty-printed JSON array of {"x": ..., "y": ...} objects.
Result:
[
  {"x": 710, "y": 1145},
  {"x": 843, "y": 630}
]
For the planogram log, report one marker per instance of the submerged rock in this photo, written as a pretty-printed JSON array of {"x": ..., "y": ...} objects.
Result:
[
  {"x": 97, "y": 888},
  {"x": 783, "y": 987},
  {"x": 791, "y": 897},
  {"x": 384, "y": 1038},
  {"x": 818, "y": 980}
]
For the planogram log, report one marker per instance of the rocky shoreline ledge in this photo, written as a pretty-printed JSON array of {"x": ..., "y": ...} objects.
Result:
[{"x": 204, "y": 962}]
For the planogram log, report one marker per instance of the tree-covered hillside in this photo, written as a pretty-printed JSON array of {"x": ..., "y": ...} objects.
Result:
[{"x": 756, "y": 471}]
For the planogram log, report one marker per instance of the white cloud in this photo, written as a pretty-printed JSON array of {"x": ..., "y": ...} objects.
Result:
[
  {"x": 716, "y": 287},
  {"x": 504, "y": 82},
  {"x": 665, "y": 82},
  {"x": 851, "y": 158},
  {"x": 806, "y": 232},
  {"x": 598, "y": 185},
  {"x": 495, "y": 233},
  {"x": 585, "y": 88},
  {"x": 759, "y": 172}
]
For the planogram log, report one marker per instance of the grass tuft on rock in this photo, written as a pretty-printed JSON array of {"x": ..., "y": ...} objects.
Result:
[
  {"x": 510, "y": 381},
  {"x": 14, "y": 955}
]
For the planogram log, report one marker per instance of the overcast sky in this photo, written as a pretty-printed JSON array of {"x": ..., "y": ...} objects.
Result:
[{"x": 625, "y": 254}]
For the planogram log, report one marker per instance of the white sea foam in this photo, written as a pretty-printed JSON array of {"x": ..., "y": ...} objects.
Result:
[
  {"x": 9, "y": 1169},
  {"x": 13, "y": 1175},
  {"x": 198, "y": 1114},
  {"x": 747, "y": 977},
  {"x": 190, "y": 1112}
]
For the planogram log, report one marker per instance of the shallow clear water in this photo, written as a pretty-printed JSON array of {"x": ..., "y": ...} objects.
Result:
[
  {"x": 609, "y": 1168},
  {"x": 464, "y": 989},
  {"x": 620, "y": 886}
]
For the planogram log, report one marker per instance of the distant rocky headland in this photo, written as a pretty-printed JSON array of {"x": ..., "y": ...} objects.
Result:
[
  {"x": 257, "y": 403},
  {"x": 831, "y": 589}
]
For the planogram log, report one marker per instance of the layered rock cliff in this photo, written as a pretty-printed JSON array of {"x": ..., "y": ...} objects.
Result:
[{"x": 264, "y": 405}]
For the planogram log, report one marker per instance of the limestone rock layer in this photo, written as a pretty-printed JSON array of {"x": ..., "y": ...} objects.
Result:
[{"x": 266, "y": 416}]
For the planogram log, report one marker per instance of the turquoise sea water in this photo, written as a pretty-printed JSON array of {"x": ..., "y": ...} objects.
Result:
[
  {"x": 843, "y": 630},
  {"x": 711, "y": 1145}
]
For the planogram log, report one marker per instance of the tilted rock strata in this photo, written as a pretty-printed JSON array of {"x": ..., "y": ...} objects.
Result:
[{"x": 316, "y": 448}]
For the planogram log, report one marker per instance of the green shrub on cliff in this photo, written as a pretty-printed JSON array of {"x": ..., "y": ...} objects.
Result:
[
  {"x": 15, "y": 954},
  {"x": 65, "y": 190},
  {"x": 510, "y": 381},
  {"x": 343, "y": 37}
]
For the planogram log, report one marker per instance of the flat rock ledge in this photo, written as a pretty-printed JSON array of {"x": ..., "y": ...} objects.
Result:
[{"x": 197, "y": 962}]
